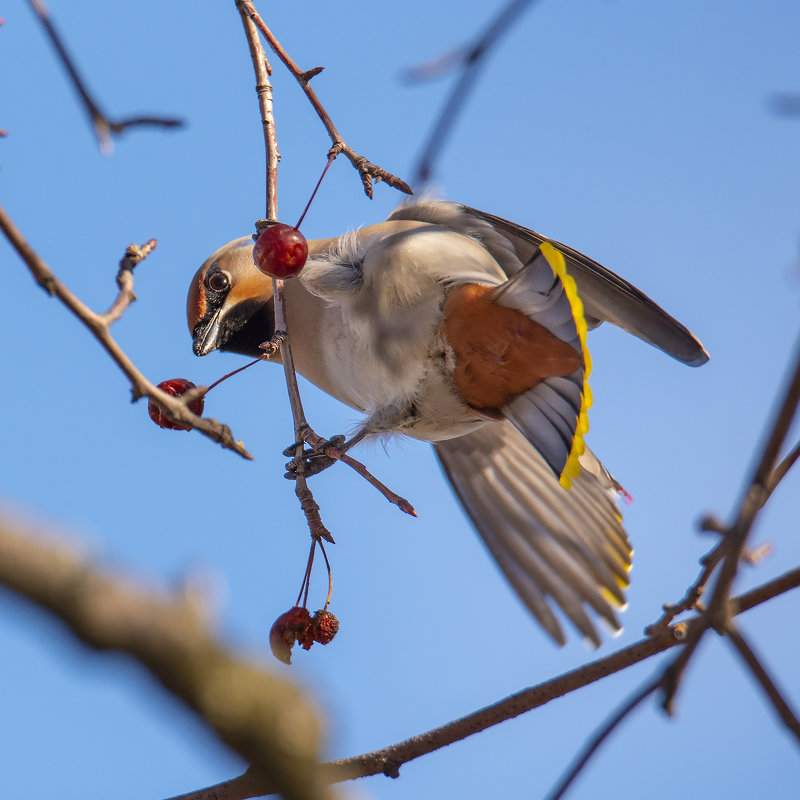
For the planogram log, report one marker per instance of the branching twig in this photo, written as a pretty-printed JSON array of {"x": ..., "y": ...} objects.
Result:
[
  {"x": 711, "y": 559},
  {"x": 366, "y": 170},
  {"x": 104, "y": 127},
  {"x": 100, "y": 324},
  {"x": 258, "y": 714},
  {"x": 389, "y": 759},
  {"x": 693, "y": 594}
]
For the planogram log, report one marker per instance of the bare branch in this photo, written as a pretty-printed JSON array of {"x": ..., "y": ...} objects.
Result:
[
  {"x": 99, "y": 324},
  {"x": 388, "y": 760},
  {"x": 258, "y": 714},
  {"x": 366, "y": 170},
  {"x": 103, "y": 126},
  {"x": 779, "y": 473}
]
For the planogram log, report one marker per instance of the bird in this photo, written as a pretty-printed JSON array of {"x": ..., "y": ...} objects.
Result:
[{"x": 457, "y": 327}]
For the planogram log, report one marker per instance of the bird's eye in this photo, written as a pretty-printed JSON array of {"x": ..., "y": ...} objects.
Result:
[{"x": 217, "y": 282}]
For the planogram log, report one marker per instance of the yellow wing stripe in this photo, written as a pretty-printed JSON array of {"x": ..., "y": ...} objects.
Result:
[{"x": 556, "y": 261}]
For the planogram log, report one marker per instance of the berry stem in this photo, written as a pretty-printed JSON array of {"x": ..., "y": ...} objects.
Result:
[
  {"x": 230, "y": 375},
  {"x": 330, "y": 576},
  {"x": 304, "y": 586},
  {"x": 332, "y": 153}
]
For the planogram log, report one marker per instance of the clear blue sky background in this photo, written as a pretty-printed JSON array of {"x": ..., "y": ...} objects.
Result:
[{"x": 639, "y": 133}]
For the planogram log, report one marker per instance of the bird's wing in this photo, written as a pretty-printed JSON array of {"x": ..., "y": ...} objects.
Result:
[
  {"x": 554, "y": 545},
  {"x": 608, "y": 297},
  {"x": 605, "y": 295}
]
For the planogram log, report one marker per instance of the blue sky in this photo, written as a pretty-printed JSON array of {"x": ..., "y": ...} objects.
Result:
[{"x": 639, "y": 133}]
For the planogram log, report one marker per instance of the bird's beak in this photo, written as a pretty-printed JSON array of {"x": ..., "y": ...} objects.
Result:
[{"x": 205, "y": 336}]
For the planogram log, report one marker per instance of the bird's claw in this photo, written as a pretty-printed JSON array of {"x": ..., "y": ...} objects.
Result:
[{"x": 313, "y": 460}]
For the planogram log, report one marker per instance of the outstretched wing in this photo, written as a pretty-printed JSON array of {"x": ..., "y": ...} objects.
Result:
[
  {"x": 608, "y": 297},
  {"x": 554, "y": 546}
]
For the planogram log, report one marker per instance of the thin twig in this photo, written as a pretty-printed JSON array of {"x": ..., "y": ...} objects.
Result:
[
  {"x": 779, "y": 473},
  {"x": 471, "y": 58},
  {"x": 134, "y": 255},
  {"x": 281, "y": 337},
  {"x": 388, "y": 760},
  {"x": 693, "y": 594},
  {"x": 366, "y": 170},
  {"x": 99, "y": 324},
  {"x": 103, "y": 126},
  {"x": 788, "y": 717}
]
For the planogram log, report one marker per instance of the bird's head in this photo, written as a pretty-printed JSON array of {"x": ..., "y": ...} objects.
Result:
[{"x": 230, "y": 304}]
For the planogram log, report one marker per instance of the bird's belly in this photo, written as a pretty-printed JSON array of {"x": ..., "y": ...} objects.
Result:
[
  {"x": 411, "y": 393},
  {"x": 402, "y": 382}
]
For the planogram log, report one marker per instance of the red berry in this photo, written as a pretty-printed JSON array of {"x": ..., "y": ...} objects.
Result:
[
  {"x": 291, "y": 626},
  {"x": 176, "y": 387},
  {"x": 280, "y": 251},
  {"x": 324, "y": 626}
]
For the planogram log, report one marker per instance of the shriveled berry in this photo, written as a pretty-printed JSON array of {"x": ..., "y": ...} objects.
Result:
[
  {"x": 281, "y": 251},
  {"x": 176, "y": 387},
  {"x": 324, "y": 626},
  {"x": 291, "y": 626}
]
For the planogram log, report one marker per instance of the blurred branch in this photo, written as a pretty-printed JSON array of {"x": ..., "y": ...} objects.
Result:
[
  {"x": 389, "y": 759},
  {"x": 260, "y": 715},
  {"x": 759, "y": 672},
  {"x": 100, "y": 326},
  {"x": 597, "y": 740},
  {"x": 785, "y": 104},
  {"x": 366, "y": 169},
  {"x": 103, "y": 126},
  {"x": 469, "y": 58}
]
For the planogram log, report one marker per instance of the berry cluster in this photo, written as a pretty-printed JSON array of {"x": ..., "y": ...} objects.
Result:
[{"x": 297, "y": 625}]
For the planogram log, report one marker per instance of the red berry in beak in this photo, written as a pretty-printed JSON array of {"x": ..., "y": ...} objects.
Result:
[
  {"x": 290, "y": 627},
  {"x": 176, "y": 387},
  {"x": 281, "y": 251}
]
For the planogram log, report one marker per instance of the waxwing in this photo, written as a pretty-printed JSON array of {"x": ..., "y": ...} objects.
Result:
[{"x": 463, "y": 329}]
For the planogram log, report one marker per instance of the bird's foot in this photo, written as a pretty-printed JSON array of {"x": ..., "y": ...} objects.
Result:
[{"x": 313, "y": 459}]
